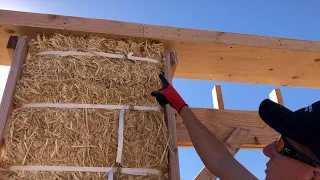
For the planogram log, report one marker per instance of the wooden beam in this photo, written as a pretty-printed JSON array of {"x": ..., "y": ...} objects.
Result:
[
  {"x": 222, "y": 123},
  {"x": 19, "y": 57},
  {"x": 207, "y": 55},
  {"x": 174, "y": 169},
  {"x": 237, "y": 138},
  {"x": 276, "y": 96}
]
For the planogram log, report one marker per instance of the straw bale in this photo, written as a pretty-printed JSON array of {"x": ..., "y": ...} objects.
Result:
[
  {"x": 27, "y": 175},
  {"x": 87, "y": 137}
]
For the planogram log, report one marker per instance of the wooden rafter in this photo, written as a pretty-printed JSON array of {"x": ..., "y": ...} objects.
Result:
[
  {"x": 222, "y": 123},
  {"x": 210, "y": 55}
]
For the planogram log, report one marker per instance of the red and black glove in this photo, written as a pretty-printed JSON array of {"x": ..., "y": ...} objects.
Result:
[{"x": 167, "y": 94}]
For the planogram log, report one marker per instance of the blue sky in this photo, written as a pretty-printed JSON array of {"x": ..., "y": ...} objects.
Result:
[{"x": 289, "y": 19}]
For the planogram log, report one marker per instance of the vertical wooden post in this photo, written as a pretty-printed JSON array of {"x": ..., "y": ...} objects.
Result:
[
  {"x": 174, "y": 169},
  {"x": 217, "y": 97},
  {"x": 276, "y": 96},
  {"x": 19, "y": 44}
]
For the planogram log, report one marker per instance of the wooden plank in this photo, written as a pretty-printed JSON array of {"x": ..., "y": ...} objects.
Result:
[
  {"x": 174, "y": 169},
  {"x": 231, "y": 58},
  {"x": 237, "y": 138},
  {"x": 276, "y": 96},
  {"x": 196, "y": 35},
  {"x": 70, "y": 23},
  {"x": 6, "y": 106},
  {"x": 217, "y": 97},
  {"x": 222, "y": 123}
]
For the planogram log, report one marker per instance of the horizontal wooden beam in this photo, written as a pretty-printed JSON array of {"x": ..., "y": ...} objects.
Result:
[
  {"x": 223, "y": 122},
  {"x": 208, "y": 55}
]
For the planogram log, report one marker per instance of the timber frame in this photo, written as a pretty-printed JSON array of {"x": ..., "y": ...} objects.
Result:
[{"x": 205, "y": 55}]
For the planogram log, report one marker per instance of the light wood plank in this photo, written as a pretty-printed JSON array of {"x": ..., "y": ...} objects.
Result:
[
  {"x": 174, "y": 63},
  {"x": 6, "y": 106},
  {"x": 223, "y": 122},
  {"x": 230, "y": 57},
  {"x": 276, "y": 96},
  {"x": 217, "y": 97},
  {"x": 237, "y": 138},
  {"x": 174, "y": 169}
]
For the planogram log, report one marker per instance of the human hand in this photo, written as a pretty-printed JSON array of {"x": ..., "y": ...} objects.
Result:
[{"x": 168, "y": 95}]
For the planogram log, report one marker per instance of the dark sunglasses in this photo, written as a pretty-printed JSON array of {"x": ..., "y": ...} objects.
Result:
[{"x": 284, "y": 148}]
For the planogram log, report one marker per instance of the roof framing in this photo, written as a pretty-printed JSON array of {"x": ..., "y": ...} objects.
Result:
[{"x": 207, "y": 55}]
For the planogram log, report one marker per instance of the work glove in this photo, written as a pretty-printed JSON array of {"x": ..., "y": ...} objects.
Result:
[{"x": 168, "y": 95}]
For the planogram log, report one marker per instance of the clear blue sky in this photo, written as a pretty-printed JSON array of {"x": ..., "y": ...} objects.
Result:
[{"x": 290, "y": 19}]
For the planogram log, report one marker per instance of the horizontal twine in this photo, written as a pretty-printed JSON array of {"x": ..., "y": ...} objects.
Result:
[
  {"x": 95, "y": 53},
  {"x": 133, "y": 171},
  {"x": 93, "y": 106}
]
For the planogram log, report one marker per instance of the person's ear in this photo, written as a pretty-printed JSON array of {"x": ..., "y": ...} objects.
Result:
[{"x": 316, "y": 174}]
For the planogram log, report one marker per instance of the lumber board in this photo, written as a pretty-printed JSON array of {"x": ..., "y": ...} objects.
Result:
[
  {"x": 222, "y": 123},
  {"x": 174, "y": 169},
  {"x": 206, "y": 55},
  {"x": 276, "y": 96},
  {"x": 19, "y": 57},
  {"x": 236, "y": 139},
  {"x": 217, "y": 97}
]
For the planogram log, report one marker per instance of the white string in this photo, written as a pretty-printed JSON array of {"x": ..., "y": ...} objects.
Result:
[
  {"x": 93, "y": 106},
  {"x": 110, "y": 175},
  {"x": 120, "y": 135},
  {"x": 95, "y": 53},
  {"x": 133, "y": 171}
]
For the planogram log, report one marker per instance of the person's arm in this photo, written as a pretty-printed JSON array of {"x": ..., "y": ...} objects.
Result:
[{"x": 212, "y": 152}]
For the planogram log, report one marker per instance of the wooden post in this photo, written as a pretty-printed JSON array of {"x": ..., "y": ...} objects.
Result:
[
  {"x": 276, "y": 96},
  {"x": 217, "y": 97},
  {"x": 236, "y": 139},
  {"x": 174, "y": 169},
  {"x": 19, "y": 57}
]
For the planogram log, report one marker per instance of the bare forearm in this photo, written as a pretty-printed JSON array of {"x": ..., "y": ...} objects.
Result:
[{"x": 212, "y": 152}]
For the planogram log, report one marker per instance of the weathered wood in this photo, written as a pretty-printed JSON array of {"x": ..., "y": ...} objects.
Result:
[
  {"x": 6, "y": 107},
  {"x": 208, "y": 55},
  {"x": 222, "y": 123},
  {"x": 276, "y": 96},
  {"x": 174, "y": 169},
  {"x": 234, "y": 142}
]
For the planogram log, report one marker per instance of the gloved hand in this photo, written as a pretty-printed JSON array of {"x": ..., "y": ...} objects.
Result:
[{"x": 167, "y": 94}]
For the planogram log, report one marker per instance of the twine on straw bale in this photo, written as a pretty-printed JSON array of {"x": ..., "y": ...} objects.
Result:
[{"x": 86, "y": 137}]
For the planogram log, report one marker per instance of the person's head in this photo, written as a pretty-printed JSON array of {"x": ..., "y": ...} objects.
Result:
[{"x": 296, "y": 155}]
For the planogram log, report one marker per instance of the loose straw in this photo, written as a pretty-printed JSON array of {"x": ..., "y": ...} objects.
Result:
[
  {"x": 120, "y": 135},
  {"x": 133, "y": 171},
  {"x": 95, "y": 53},
  {"x": 93, "y": 106}
]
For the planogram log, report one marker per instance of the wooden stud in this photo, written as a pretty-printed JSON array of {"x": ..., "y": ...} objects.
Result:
[
  {"x": 174, "y": 169},
  {"x": 276, "y": 96},
  {"x": 217, "y": 97},
  {"x": 19, "y": 57},
  {"x": 237, "y": 138}
]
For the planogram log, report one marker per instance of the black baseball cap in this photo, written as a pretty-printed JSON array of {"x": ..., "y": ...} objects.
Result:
[{"x": 302, "y": 125}]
